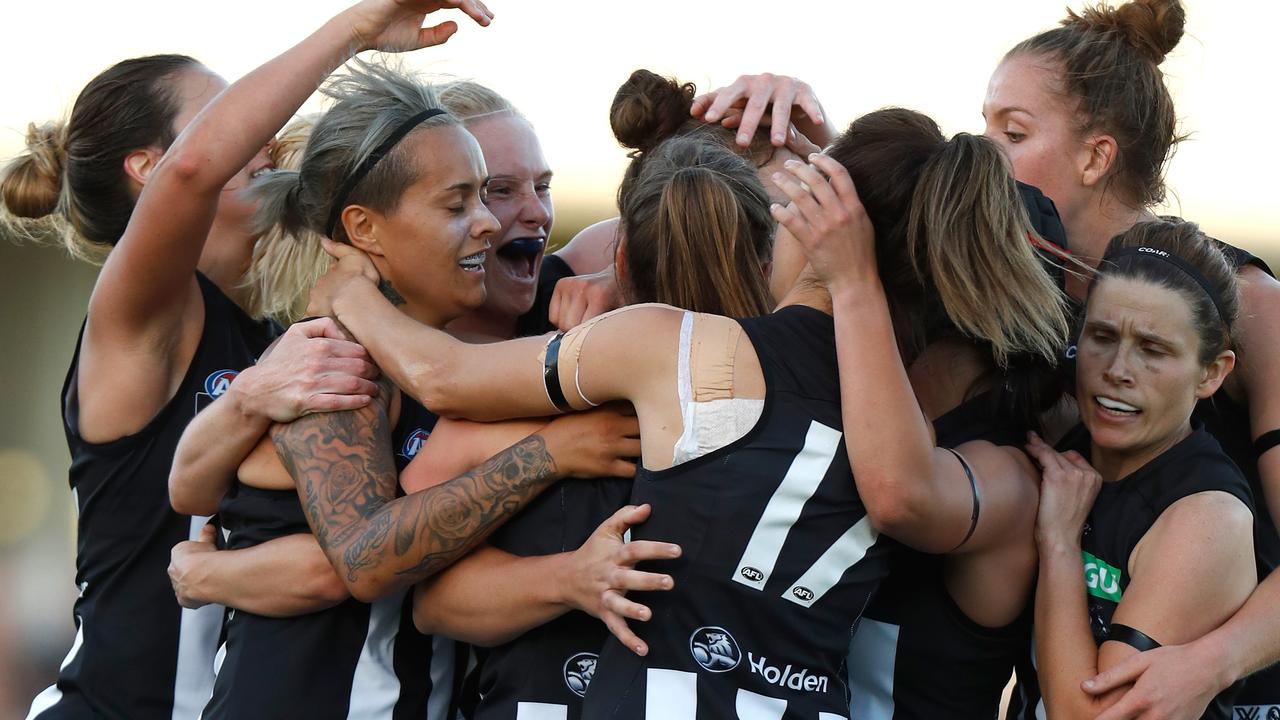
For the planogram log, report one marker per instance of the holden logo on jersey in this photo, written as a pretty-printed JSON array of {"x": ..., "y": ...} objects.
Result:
[
  {"x": 787, "y": 677},
  {"x": 752, "y": 574},
  {"x": 803, "y": 593},
  {"x": 578, "y": 671},
  {"x": 413, "y": 443},
  {"x": 715, "y": 649},
  {"x": 218, "y": 382}
]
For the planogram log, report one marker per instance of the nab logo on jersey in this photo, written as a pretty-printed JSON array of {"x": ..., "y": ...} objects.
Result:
[
  {"x": 413, "y": 443},
  {"x": 218, "y": 382},
  {"x": 715, "y": 649},
  {"x": 578, "y": 671}
]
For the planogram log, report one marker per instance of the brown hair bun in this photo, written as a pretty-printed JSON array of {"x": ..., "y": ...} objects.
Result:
[
  {"x": 32, "y": 183},
  {"x": 648, "y": 109},
  {"x": 1152, "y": 27}
]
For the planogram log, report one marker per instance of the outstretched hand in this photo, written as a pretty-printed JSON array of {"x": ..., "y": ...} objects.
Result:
[
  {"x": 826, "y": 216},
  {"x": 606, "y": 572},
  {"x": 766, "y": 100},
  {"x": 396, "y": 25}
]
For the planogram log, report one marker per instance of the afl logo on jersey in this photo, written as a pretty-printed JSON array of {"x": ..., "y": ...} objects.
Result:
[
  {"x": 218, "y": 382},
  {"x": 802, "y": 593},
  {"x": 752, "y": 574},
  {"x": 578, "y": 671},
  {"x": 413, "y": 443},
  {"x": 715, "y": 649}
]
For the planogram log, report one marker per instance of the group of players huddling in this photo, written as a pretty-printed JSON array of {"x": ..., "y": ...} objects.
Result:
[{"x": 826, "y": 424}]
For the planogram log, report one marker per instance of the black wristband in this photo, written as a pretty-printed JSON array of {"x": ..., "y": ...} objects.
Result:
[
  {"x": 551, "y": 375},
  {"x": 1266, "y": 441},
  {"x": 1132, "y": 637}
]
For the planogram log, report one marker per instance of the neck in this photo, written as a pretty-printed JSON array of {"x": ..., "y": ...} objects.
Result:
[
  {"x": 810, "y": 294},
  {"x": 944, "y": 374},
  {"x": 1118, "y": 464},
  {"x": 225, "y": 259},
  {"x": 1089, "y": 231},
  {"x": 486, "y": 323}
]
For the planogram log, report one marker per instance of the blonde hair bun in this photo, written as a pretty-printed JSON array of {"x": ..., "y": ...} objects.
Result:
[{"x": 32, "y": 183}]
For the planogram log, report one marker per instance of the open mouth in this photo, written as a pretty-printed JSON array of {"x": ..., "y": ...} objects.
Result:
[
  {"x": 473, "y": 263},
  {"x": 264, "y": 170},
  {"x": 520, "y": 256},
  {"x": 1115, "y": 407}
]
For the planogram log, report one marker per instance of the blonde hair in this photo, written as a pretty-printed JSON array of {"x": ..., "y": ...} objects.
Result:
[
  {"x": 468, "y": 100},
  {"x": 285, "y": 265}
]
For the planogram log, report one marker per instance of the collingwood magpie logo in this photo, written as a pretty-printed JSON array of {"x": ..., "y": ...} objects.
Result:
[
  {"x": 714, "y": 649},
  {"x": 578, "y": 671},
  {"x": 413, "y": 443}
]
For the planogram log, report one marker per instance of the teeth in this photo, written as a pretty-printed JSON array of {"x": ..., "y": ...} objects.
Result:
[
  {"x": 1115, "y": 405},
  {"x": 473, "y": 262}
]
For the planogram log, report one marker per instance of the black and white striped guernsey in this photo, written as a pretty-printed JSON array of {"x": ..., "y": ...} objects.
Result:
[
  {"x": 1122, "y": 514},
  {"x": 779, "y": 557},
  {"x": 915, "y": 654},
  {"x": 137, "y": 655},
  {"x": 354, "y": 660}
]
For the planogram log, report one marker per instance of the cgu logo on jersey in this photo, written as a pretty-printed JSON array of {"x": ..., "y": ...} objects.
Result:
[
  {"x": 714, "y": 649},
  {"x": 1101, "y": 579},
  {"x": 578, "y": 671},
  {"x": 218, "y": 382},
  {"x": 413, "y": 443},
  {"x": 800, "y": 679}
]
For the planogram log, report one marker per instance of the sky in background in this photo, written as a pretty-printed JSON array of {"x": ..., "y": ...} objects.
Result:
[{"x": 562, "y": 61}]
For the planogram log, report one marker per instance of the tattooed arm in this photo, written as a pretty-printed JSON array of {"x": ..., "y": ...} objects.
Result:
[{"x": 342, "y": 465}]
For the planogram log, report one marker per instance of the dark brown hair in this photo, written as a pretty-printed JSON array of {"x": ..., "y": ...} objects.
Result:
[
  {"x": 1185, "y": 241},
  {"x": 698, "y": 230},
  {"x": 76, "y": 170},
  {"x": 1108, "y": 59}
]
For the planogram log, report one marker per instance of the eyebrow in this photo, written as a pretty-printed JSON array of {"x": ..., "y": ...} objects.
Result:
[
  {"x": 1147, "y": 336},
  {"x": 544, "y": 176},
  {"x": 1011, "y": 109}
]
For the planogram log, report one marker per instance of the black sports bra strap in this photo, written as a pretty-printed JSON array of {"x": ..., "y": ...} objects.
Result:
[{"x": 1132, "y": 637}]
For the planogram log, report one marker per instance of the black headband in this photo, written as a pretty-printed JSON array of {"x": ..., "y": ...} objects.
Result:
[
  {"x": 1187, "y": 268},
  {"x": 363, "y": 169}
]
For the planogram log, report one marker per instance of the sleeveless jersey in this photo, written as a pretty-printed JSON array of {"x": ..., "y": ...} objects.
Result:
[
  {"x": 1122, "y": 514},
  {"x": 1228, "y": 421},
  {"x": 915, "y": 653},
  {"x": 353, "y": 660},
  {"x": 779, "y": 557},
  {"x": 137, "y": 654},
  {"x": 548, "y": 668}
]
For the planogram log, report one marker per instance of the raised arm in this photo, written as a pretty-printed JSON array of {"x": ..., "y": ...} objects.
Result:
[
  {"x": 311, "y": 368},
  {"x": 913, "y": 490},
  {"x": 1190, "y": 572},
  {"x": 776, "y": 101}
]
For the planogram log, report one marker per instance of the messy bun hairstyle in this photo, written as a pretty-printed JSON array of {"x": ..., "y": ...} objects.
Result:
[
  {"x": 1109, "y": 61},
  {"x": 73, "y": 174},
  {"x": 649, "y": 109}
]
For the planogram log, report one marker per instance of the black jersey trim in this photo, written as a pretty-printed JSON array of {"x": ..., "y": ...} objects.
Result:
[
  {"x": 1266, "y": 441},
  {"x": 1132, "y": 637}
]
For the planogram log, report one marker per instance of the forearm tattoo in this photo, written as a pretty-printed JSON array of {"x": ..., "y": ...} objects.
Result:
[
  {"x": 346, "y": 479},
  {"x": 390, "y": 293}
]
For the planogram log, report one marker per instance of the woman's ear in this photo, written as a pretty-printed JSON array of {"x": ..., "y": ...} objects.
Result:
[
  {"x": 139, "y": 164},
  {"x": 362, "y": 226},
  {"x": 1215, "y": 373},
  {"x": 620, "y": 260},
  {"x": 1098, "y": 159}
]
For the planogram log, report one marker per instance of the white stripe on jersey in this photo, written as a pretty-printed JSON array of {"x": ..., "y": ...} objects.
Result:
[
  {"x": 753, "y": 706},
  {"x": 443, "y": 666},
  {"x": 670, "y": 695},
  {"x": 830, "y": 716},
  {"x": 783, "y": 510},
  {"x": 374, "y": 685},
  {"x": 197, "y": 645},
  {"x": 540, "y": 711},
  {"x": 823, "y": 575},
  {"x": 873, "y": 654},
  {"x": 52, "y": 694}
]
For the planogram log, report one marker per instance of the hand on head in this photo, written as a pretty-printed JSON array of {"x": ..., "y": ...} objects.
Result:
[
  {"x": 396, "y": 25},
  {"x": 827, "y": 218},
  {"x": 774, "y": 101}
]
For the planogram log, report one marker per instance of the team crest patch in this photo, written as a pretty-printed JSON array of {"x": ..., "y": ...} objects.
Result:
[
  {"x": 578, "y": 671},
  {"x": 214, "y": 387},
  {"x": 413, "y": 443},
  {"x": 714, "y": 649}
]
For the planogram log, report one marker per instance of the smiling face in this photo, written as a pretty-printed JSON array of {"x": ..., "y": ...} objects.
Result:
[
  {"x": 519, "y": 196},
  {"x": 1138, "y": 372},
  {"x": 432, "y": 245},
  {"x": 1037, "y": 128}
]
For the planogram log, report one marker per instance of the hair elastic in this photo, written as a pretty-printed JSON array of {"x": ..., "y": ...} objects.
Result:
[
  {"x": 340, "y": 200},
  {"x": 1187, "y": 268}
]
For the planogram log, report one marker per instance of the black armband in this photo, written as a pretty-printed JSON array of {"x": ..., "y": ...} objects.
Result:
[
  {"x": 1266, "y": 441},
  {"x": 551, "y": 375},
  {"x": 1132, "y": 637}
]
